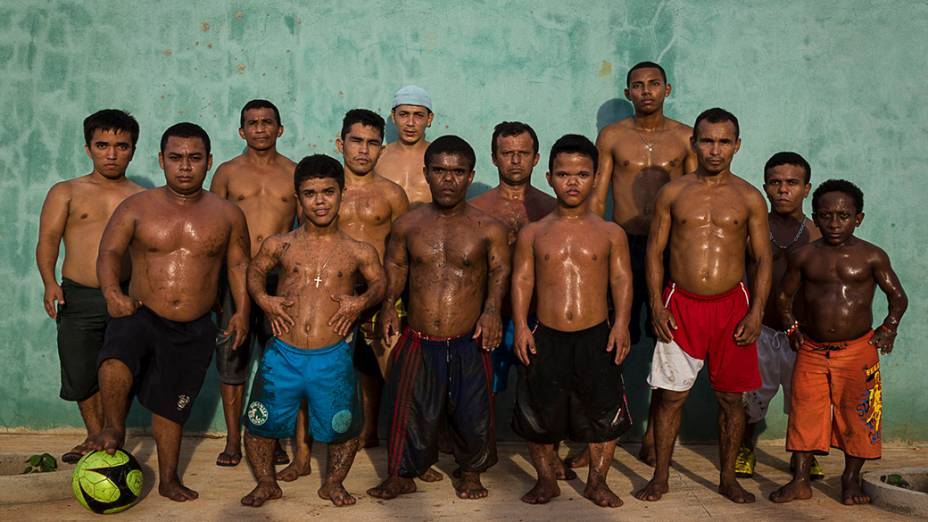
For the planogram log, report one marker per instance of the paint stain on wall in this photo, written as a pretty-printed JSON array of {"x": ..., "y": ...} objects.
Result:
[
  {"x": 204, "y": 26},
  {"x": 605, "y": 69},
  {"x": 168, "y": 52}
]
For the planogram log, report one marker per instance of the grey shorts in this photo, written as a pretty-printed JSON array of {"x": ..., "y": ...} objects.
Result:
[{"x": 233, "y": 365}]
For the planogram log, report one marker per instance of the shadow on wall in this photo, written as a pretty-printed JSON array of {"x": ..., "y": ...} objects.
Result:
[
  {"x": 390, "y": 131},
  {"x": 142, "y": 182},
  {"x": 476, "y": 188},
  {"x": 612, "y": 111}
]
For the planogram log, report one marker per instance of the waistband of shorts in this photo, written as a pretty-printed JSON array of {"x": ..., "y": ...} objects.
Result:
[
  {"x": 815, "y": 346},
  {"x": 436, "y": 338},
  {"x": 149, "y": 311},
  {"x": 735, "y": 290},
  {"x": 289, "y": 348},
  {"x": 555, "y": 331}
]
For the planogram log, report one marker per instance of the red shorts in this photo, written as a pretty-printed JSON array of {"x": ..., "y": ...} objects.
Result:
[{"x": 706, "y": 330}]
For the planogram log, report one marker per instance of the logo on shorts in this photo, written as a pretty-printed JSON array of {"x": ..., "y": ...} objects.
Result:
[
  {"x": 257, "y": 413},
  {"x": 182, "y": 402},
  {"x": 341, "y": 421}
]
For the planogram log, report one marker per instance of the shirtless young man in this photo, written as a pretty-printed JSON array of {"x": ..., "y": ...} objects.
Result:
[
  {"x": 704, "y": 312},
  {"x": 837, "y": 398},
  {"x": 314, "y": 309},
  {"x": 514, "y": 202},
  {"x": 260, "y": 182},
  {"x": 77, "y": 210},
  {"x": 160, "y": 339},
  {"x": 570, "y": 384},
  {"x": 402, "y": 160},
  {"x": 787, "y": 178},
  {"x": 456, "y": 259},
  {"x": 639, "y": 155}
]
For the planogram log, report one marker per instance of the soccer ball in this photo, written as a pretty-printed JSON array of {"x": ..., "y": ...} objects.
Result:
[{"x": 105, "y": 483}]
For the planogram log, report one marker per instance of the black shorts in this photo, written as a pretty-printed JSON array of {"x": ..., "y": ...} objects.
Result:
[
  {"x": 81, "y": 322},
  {"x": 168, "y": 359},
  {"x": 572, "y": 390},
  {"x": 233, "y": 365},
  {"x": 641, "y": 308}
]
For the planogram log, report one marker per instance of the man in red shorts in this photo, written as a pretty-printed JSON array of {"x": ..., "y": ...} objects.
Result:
[{"x": 705, "y": 312}]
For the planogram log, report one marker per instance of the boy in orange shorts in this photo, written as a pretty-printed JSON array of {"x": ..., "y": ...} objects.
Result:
[{"x": 837, "y": 395}]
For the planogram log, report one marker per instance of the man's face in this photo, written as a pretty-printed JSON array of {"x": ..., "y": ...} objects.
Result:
[
  {"x": 786, "y": 188},
  {"x": 647, "y": 90},
  {"x": 185, "y": 163},
  {"x": 110, "y": 151},
  {"x": 410, "y": 122},
  {"x": 319, "y": 200},
  {"x": 448, "y": 176},
  {"x": 837, "y": 217},
  {"x": 572, "y": 177},
  {"x": 360, "y": 148},
  {"x": 515, "y": 157},
  {"x": 715, "y": 145},
  {"x": 261, "y": 128}
]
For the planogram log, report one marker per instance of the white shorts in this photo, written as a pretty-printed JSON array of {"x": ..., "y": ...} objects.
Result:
[
  {"x": 672, "y": 368},
  {"x": 775, "y": 360}
]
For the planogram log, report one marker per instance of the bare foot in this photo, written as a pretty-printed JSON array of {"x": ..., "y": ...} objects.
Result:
[
  {"x": 469, "y": 487},
  {"x": 431, "y": 475},
  {"x": 392, "y": 488},
  {"x": 851, "y": 493},
  {"x": 263, "y": 492},
  {"x": 736, "y": 493},
  {"x": 796, "y": 489},
  {"x": 579, "y": 460},
  {"x": 653, "y": 491},
  {"x": 646, "y": 454},
  {"x": 280, "y": 456},
  {"x": 602, "y": 496},
  {"x": 562, "y": 468},
  {"x": 109, "y": 440},
  {"x": 176, "y": 491},
  {"x": 337, "y": 494},
  {"x": 297, "y": 468},
  {"x": 542, "y": 493}
]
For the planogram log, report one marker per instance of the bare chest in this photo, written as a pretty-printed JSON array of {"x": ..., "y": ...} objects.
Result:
[
  {"x": 364, "y": 207},
  {"x": 443, "y": 248},
  {"x": 842, "y": 268},
  {"x": 191, "y": 232},
  {"x": 270, "y": 188},
  {"x": 93, "y": 208},
  {"x": 722, "y": 211},
  {"x": 559, "y": 249},
  {"x": 636, "y": 152},
  {"x": 328, "y": 269}
]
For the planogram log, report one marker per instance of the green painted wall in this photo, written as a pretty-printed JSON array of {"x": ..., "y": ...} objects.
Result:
[{"x": 839, "y": 81}]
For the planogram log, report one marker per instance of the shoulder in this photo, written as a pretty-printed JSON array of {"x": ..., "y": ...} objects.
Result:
[
  {"x": 672, "y": 189},
  {"x": 872, "y": 252},
  {"x": 747, "y": 190},
  {"x": 614, "y": 131},
  {"x": 485, "y": 221},
  {"x": 680, "y": 129},
  {"x": 410, "y": 219},
  {"x": 286, "y": 163},
  {"x": 361, "y": 250},
  {"x": 63, "y": 189},
  {"x": 800, "y": 253},
  {"x": 482, "y": 200},
  {"x": 391, "y": 187},
  {"x": 229, "y": 166},
  {"x": 529, "y": 231}
]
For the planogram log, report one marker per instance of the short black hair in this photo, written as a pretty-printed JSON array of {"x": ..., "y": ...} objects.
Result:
[
  {"x": 839, "y": 185},
  {"x": 644, "y": 65},
  {"x": 111, "y": 119},
  {"x": 364, "y": 117},
  {"x": 258, "y": 104},
  {"x": 185, "y": 129},
  {"x": 318, "y": 166},
  {"x": 512, "y": 128},
  {"x": 573, "y": 144},
  {"x": 450, "y": 144},
  {"x": 717, "y": 115},
  {"x": 788, "y": 158}
]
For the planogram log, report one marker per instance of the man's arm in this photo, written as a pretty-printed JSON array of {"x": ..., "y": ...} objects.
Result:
[
  {"x": 399, "y": 203},
  {"x": 396, "y": 269},
  {"x": 690, "y": 164},
  {"x": 219, "y": 185},
  {"x": 620, "y": 283},
  {"x": 351, "y": 306},
  {"x": 523, "y": 285},
  {"x": 238, "y": 252},
  {"x": 748, "y": 329},
  {"x": 275, "y": 308},
  {"x": 489, "y": 325},
  {"x": 603, "y": 173},
  {"x": 789, "y": 285},
  {"x": 658, "y": 236},
  {"x": 115, "y": 242},
  {"x": 52, "y": 223},
  {"x": 889, "y": 283}
]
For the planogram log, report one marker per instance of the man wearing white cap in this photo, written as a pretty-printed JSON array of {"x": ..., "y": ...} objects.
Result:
[{"x": 402, "y": 160}]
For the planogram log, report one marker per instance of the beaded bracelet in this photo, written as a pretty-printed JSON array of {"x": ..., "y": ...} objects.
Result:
[{"x": 792, "y": 328}]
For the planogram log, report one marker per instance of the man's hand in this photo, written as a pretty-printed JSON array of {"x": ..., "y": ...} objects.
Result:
[
  {"x": 119, "y": 304},
  {"x": 618, "y": 341},
  {"x": 349, "y": 308},
  {"x": 389, "y": 324},
  {"x": 524, "y": 344},
  {"x": 490, "y": 328},
  {"x": 275, "y": 308},
  {"x": 664, "y": 324},
  {"x": 883, "y": 339},
  {"x": 795, "y": 340},
  {"x": 53, "y": 293},
  {"x": 748, "y": 329},
  {"x": 238, "y": 324}
]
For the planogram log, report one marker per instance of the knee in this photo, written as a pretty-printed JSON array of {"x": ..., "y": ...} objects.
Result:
[
  {"x": 670, "y": 400},
  {"x": 113, "y": 368},
  {"x": 730, "y": 402}
]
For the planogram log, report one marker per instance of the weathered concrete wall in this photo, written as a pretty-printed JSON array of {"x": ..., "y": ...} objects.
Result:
[{"x": 841, "y": 82}]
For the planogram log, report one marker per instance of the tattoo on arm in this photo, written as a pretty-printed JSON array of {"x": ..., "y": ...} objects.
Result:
[
  {"x": 498, "y": 268},
  {"x": 396, "y": 264}
]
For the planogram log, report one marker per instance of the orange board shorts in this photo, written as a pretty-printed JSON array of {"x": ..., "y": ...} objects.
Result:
[{"x": 837, "y": 399}]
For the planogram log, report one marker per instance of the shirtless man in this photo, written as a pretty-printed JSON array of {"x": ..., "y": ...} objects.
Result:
[
  {"x": 160, "y": 339},
  {"x": 837, "y": 398},
  {"x": 260, "y": 182},
  {"x": 707, "y": 220},
  {"x": 402, "y": 160},
  {"x": 77, "y": 210},
  {"x": 314, "y": 309},
  {"x": 787, "y": 177},
  {"x": 514, "y": 202},
  {"x": 639, "y": 155},
  {"x": 570, "y": 384},
  {"x": 456, "y": 259}
]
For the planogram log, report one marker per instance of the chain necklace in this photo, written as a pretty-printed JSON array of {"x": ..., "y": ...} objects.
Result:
[
  {"x": 647, "y": 145},
  {"x": 802, "y": 228},
  {"x": 318, "y": 278}
]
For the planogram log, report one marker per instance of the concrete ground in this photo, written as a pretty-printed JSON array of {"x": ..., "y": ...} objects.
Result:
[{"x": 693, "y": 483}]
